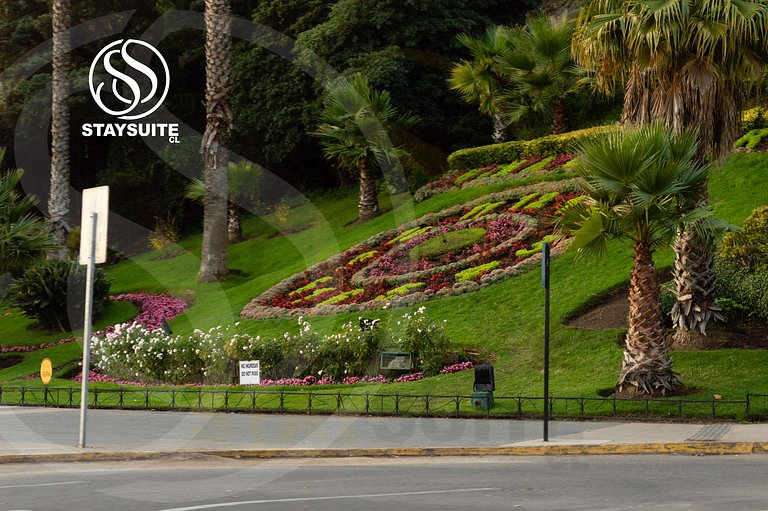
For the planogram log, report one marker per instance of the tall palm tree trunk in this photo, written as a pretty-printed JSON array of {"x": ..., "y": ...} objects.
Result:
[
  {"x": 234, "y": 226},
  {"x": 647, "y": 367},
  {"x": 58, "y": 200},
  {"x": 559, "y": 117},
  {"x": 368, "y": 205},
  {"x": 499, "y": 129},
  {"x": 218, "y": 69}
]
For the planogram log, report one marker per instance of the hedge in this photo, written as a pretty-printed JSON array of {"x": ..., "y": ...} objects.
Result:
[{"x": 551, "y": 145}]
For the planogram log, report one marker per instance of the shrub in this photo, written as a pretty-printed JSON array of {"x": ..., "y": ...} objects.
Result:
[
  {"x": 748, "y": 247},
  {"x": 754, "y": 118},
  {"x": 133, "y": 352},
  {"x": 426, "y": 340},
  {"x": 507, "y": 152},
  {"x": 752, "y": 138},
  {"x": 744, "y": 287},
  {"x": 53, "y": 294},
  {"x": 164, "y": 235}
]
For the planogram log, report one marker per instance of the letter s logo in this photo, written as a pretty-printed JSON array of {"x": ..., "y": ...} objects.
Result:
[{"x": 132, "y": 94}]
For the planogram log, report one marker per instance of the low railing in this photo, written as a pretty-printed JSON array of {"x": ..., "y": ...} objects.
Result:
[{"x": 753, "y": 406}]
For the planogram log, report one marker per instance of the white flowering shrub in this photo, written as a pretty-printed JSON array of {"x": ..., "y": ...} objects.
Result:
[
  {"x": 132, "y": 352},
  {"x": 425, "y": 339},
  {"x": 269, "y": 352},
  {"x": 351, "y": 352}
]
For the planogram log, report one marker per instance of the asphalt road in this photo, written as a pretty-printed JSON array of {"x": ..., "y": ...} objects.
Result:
[{"x": 598, "y": 483}]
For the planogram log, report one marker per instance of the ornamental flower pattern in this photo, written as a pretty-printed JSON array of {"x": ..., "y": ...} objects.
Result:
[{"x": 503, "y": 233}]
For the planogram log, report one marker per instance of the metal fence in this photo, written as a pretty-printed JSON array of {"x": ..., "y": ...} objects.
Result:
[{"x": 753, "y": 406}]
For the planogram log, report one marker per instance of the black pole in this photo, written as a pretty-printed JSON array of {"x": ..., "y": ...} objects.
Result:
[{"x": 545, "y": 285}]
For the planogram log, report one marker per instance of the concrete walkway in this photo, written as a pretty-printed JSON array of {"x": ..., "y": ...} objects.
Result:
[{"x": 51, "y": 434}]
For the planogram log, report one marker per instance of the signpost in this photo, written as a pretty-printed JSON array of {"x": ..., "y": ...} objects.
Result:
[
  {"x": 250, "y": 372},
  {"x": 545, "y": 285},
  {"x": 93, "y": 250}
]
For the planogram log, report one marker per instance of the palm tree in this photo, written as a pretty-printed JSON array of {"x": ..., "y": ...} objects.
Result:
[
  {"x": 58, "y": 200},
  {"x": 24, "y": 237},
  {"x": 634, "y": 183},
  {"x": 480, "y": 80},
  {"x": 244, "y": 180},
  {"x": 356, "y": 122},
  {"x": 540, "y": 70},
  {"x": 218, "y": 126},
  {"x": 688, "y": 63}
]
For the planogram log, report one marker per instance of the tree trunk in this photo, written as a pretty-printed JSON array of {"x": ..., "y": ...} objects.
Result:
[
  {"x": 695, "y": 282},
  {"x": 234, "y": 227},
  {"x": 499, "y": 129},
  {"x": 218, "y": 126},
  {"x": 559, "y": 117},
  {"x": 58, "y": 200},
  {"x": 368, "y": 206},
  {"x": 646, "y": 368}
]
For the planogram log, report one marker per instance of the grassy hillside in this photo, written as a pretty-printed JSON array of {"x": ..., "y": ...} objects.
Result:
[{"x": 505, "y": 319}]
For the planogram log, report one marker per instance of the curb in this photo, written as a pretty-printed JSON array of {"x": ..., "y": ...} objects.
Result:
[{"x": 682, "y": 448}]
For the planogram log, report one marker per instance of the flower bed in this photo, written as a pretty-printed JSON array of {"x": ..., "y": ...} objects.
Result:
[
  {"x": 406, "y": 265},
  {"x": 152, "y": 310},
  {"x": 494, "y": 174}
]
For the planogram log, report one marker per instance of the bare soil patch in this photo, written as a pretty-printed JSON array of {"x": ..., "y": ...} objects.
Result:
[
  {"x": 6, "y": 362},
  {"x": 611, "y": 309}
]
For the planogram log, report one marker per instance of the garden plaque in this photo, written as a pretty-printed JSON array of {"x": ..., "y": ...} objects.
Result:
[{"x": 396, "y": 360}]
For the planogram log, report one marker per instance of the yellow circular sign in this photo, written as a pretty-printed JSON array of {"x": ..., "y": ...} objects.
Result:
[{"x": 46, "y": 371}]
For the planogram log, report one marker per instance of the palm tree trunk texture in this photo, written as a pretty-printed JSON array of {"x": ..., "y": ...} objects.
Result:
[
  {"x": 695, "y": 280},
  {"x": 499, "y": 129},
  {"x": 234, "y": 227},
  {"x": 218, "y": 68},
  {"x": 647, "y": 367},
  {"x": 368, "y": 206},
  {"x": 559, "y": 117},
  {"x": 58, "y": 200}
]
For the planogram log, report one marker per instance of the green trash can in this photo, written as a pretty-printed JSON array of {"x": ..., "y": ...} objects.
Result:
[{"x": 482, "y": 400}]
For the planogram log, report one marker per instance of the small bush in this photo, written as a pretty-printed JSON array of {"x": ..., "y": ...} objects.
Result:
[
  {"x": 164, "y": 235},
  {"x": 426, "y": 340},
  {"x": 742, "y": 286},
  {"x": 53, "y": 293},
  {"x": 754, "y": 118},
  {"x": 507, "y": 152},
  {"x": 752, "y": 138},
  {"x": 748, "y": 247}
]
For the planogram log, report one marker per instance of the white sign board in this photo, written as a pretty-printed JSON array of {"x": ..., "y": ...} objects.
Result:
[
  {"x": 95, "y": 200},
  {"x": 250, "y": 372}
]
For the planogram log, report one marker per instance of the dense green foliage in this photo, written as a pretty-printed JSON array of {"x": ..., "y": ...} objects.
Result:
[
  {"x": 53, "y": 293},
  {"x": 748, "y": 247},
  {"x": 508, "y": 152},
  {"x": 24, "y": 237}
]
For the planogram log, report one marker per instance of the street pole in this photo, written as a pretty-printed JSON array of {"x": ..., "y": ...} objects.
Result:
[
  {"x": 91, "y": 266},
  {"x": 545, "y": 285}
]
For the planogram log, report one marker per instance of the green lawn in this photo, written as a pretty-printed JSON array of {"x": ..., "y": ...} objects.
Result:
[{"x": 505, "y": 319}]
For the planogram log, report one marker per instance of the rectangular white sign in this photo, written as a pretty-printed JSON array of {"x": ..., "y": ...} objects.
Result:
[
  {"x": 95, "y": 200},
  {"x": 250, "y": 372}
]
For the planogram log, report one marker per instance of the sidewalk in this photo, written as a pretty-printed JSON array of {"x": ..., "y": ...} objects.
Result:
[{"x": 51, "y": 434}]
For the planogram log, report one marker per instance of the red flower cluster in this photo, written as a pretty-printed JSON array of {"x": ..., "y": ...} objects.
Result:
[
  {"x": 154, "y": 308},
  {"x": 455, "y": 368}
]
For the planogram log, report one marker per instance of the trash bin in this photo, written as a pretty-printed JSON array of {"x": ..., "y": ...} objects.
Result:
[{"x": 484, "y": 385}]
